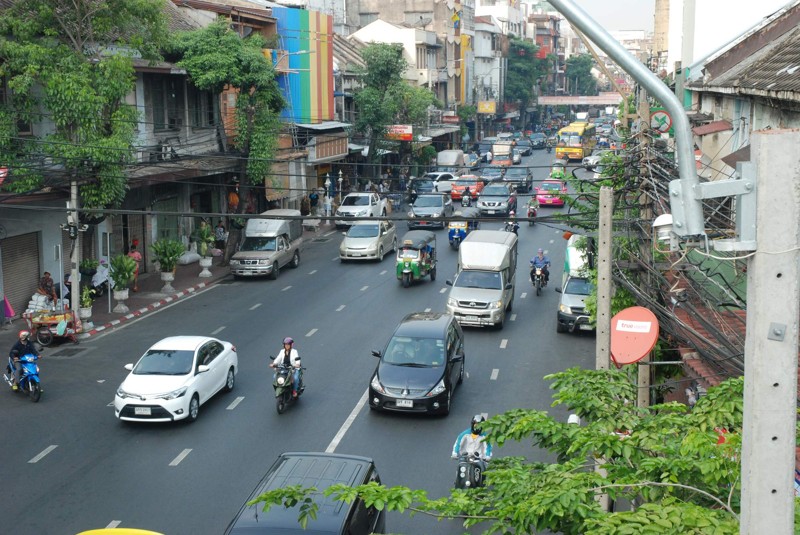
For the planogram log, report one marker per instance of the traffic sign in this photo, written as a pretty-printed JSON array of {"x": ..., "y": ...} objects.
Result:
[
  {"x": 634, "y": 332},
  {"x": 660, "y": 120}
]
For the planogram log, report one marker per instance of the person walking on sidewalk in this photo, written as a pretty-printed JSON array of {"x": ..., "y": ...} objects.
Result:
[
  {"x": 137, "y": 257},
  {"x": 219, "y": 236}
]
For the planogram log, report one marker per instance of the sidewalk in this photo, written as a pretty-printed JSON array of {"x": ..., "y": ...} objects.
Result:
[{"x": 149, "y": 297}]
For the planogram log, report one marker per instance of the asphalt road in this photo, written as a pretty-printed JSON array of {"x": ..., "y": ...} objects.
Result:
[{"x": 69, "y": 465}]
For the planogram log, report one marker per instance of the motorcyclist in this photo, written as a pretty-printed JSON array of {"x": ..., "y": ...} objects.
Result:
[
  {"x": 541, "y": 261},
  {"x": 23, "y": 346},
  {"x": 511, "y": 224},
  {"x": 473, "y": 440},
  {"x": 289, "y": 356}
]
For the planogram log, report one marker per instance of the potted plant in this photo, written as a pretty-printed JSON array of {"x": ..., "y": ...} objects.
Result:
[
  {"x": 167, "y": 252},
  {"x": 86, "y": 300},
  {"x": 88, "y": 266},
  {"x": 122, "y": 269},
  {"x": 204, "y": 237}
]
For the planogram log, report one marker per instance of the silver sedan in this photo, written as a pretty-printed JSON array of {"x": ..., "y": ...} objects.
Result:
[{"x": 368, "y": 240}]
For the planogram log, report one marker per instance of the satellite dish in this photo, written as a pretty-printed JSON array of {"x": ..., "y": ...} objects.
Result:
[{"x": 422, "y": 22}]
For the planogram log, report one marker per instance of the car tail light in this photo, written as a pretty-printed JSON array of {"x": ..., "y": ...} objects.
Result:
[{"x": 233, "y": 348}]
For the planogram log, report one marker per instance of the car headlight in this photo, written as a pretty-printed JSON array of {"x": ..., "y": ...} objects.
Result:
[
  {"x": 339, "y": 213},
  {"x": 565, "y": 309},
  {"x": 263, "y": 262},
  {"x": 496, "y": 304},
  {"x": 173, "y": 395},
  {"x": 411, "y": 214},
  {"x": 452, "y": 302},
  {"x": 376, "y": 385},
  {"x": 360, "y": 213},
  {"x": 436, "y": 215},
  {"x": 438, "y": 389},
  {"x": 123, "y": 394}
]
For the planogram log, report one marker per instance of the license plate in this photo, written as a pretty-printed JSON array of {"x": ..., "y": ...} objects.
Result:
[
  {"x": 490, "y": 211},
  {"x": 405, "y": 403},
  {"x": 472, "y": 318},
  {"x": 585, "y": 327},
  {"x": 355, "y": 254},
  {"x": 141, "y": 411}
]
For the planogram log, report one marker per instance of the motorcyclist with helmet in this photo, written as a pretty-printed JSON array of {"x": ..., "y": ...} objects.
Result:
[
  {"x": 23, "y": 346},
  {"x": 288, "y": 356},
  {"x": 541, "y": 261},
  {"x": 473, "y": 441},
  {"x": 511, "y": 224}
]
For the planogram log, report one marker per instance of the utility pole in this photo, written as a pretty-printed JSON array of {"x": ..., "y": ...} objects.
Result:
[
  {"x": 74, "y": 258},
  {"x": 604, "y": 286},
  {"x": 645, "y": 371},
  {"x": 773, "y": 309}
]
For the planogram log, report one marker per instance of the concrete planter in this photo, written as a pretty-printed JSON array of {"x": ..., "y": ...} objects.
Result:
[
  {"x": 85, "y": 313},
  {"x": 167, "y": 277},
  {"x": 205, "y": 263},
  {"x": 120, "y": 296}
]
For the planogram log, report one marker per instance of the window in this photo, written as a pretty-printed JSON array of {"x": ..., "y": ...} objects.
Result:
[
  {"x": 366, "y": 18},
  {"x": 202, "y": 108},
  {"x": 166, "y": 96}
]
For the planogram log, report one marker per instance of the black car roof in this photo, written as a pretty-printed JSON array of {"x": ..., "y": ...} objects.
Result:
[
  {"x": 307, "y": 469},
  {"x": 424, "y": 324}
]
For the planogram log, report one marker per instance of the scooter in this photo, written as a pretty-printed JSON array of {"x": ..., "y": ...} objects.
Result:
[
  {"x": 532, "y": 211},
  {"x": 470, "y": 471},
  {"x": 283, "y": 387},
  {"x": 466, "y": 199},
  {"x": 537, "y": 279},
  {"x": 28, "y": 376},
  {"x": 511, "y": 226},
  {"x": 549, "y": 149}
]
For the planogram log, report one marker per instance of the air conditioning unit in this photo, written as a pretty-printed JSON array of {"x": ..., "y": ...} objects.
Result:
[{"x": 151, "y": 154}]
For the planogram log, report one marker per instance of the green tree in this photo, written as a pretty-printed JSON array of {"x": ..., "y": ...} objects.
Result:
[
  {"x": 579, "y": 73},
  {"x": 525, "y": 70},
  {"x": 216, "y": 58},
  {"x": 385, "y": 98},
  {"x": 665, "y": 459},
  {"x": 68, "y": 66}
]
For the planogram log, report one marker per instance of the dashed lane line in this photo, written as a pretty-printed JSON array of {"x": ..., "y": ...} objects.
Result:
[
  {"x": 255, "y": 306},
  {"x": 312, "y": 271},
  {"x": 443, "y": 290},
  {"x": 234, "y": 403},
  {"x": 513, "y": 317},
  {"x": 503, "y": 343},
  {"x": 217, "y": 331},
  {"x": 495, "y": 372},
  {"x": 113, "y": 524},
  {"x": 286, "y": 288},
  {"x": 364, "y": 288},
  {"x": 341, "y": 307},
  {"x": 44, "y": 452},
  {"x": 181, "y": 456},
  {"x": 311, "y": 332}
]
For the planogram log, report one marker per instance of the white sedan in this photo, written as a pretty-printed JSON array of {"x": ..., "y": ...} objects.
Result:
[
  {"x": 174, "y": 377},
  {"x": 590, "y": 162},
  {"x": 368, "y": 240}
]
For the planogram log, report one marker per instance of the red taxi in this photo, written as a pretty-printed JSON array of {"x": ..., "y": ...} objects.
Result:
[
  {"x": 470, "y": 184},
  {"x": 550, "y": 193}
]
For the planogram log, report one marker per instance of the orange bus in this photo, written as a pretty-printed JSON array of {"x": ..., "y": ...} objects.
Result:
[{"x": 576, "y": 141}]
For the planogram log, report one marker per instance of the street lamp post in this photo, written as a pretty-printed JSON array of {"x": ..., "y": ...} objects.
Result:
[
  {"x": 340, "y": 186},
  {"x": 327, "y": 200}
]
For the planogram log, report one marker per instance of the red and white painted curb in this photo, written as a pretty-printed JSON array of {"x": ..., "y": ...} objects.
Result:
[{"x": 144, "y": 310}]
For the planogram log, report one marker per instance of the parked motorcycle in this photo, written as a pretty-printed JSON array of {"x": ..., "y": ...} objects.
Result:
[
  {"x": 470, "y": 471},
  {"x": 283, "y": 387},
  {"x": 28, "y": 376},
  {"x": 537, "y": 279}
]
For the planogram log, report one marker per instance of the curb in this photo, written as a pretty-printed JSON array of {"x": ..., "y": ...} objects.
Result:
[{"x": 144, "y": 310}]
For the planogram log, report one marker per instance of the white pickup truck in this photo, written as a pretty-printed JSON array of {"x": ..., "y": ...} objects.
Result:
[{"x": 357, "y": 205}]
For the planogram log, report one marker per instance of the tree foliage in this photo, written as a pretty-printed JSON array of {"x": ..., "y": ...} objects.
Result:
[
  {"x": 666, "y": 460},
  {"x": 579, "y": 73},
  {"x": 68, "y": 67},
  {"x": 525, "y": 70}
]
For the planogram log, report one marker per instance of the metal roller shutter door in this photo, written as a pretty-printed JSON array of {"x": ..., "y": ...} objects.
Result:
[{"x": 21, "y": 270}]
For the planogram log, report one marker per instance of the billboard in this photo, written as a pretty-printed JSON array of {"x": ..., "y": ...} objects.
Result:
[
  {"x": 400, "y": 132},
  {"x": 487, "y": 106}
]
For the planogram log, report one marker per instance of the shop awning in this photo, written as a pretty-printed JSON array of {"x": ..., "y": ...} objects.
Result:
[
  {"x": 327, "y": 125},
  {"x": 741, "y": 155},
  {"x": 712, "y": 128},
  {"x": 442, "y": 130}
]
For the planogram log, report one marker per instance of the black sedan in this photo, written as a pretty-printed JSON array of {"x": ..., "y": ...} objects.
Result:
[
  {"x": 538, "y": 140},
  {"x": 492, "y": 173},
  {"x": 525, "y": 147}
]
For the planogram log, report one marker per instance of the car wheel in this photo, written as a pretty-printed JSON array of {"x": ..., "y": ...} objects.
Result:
[
  {"x": 275, "y": 271},
  {"x": 560, "y": 328},
  {"x": 380, "y": 253},
  {"x": 295, "y": 260},
  {"x": 461, "y": 373},
  {"x": 446, "y": 408},
  {"x": 433, "y": 274},
  {"x": 194, "y": 408},
  {"x": 230, "y": 380},
  {"x": 394, "y": 245}
]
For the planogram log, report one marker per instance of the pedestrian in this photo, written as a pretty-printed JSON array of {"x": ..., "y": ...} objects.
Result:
[
  {"x": 137, "y": 257},
  {"x": 47, "y": 287},
  {"x": 313, "y": 200},
  {"x": 219, "y": 236}
]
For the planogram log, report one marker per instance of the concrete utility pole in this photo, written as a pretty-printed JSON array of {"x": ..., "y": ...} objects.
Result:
[
  {"x": 74, "y": 258},
  {"x": 604, "y": 286},
  {"x": 773, "y": 309}
]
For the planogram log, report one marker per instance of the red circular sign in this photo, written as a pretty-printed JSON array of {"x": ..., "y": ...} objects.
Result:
[{"x": 634, "y": 332}]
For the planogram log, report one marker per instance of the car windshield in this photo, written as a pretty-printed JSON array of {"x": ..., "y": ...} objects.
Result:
[
  {"x": 492, "y": 171},
  {"x": 524, "y": 142},
  {"x": 429, "y": 201},
  {"x": 356, "y": 200},
  {"x": 537, "y": 136},
  {"x": 578, "y": 287},
  {"x": 414, "y": 352},
  {"x": 466, "y": 182},
  {"x": 516, "y": 172},
  {"x": 497, "y": 191},
  {"x": 424, "y": 185},
  {"x": 165, "y": 362},
  {"x": 570, "y": 139},
  {"x": 363, "y": 231},
  {"x": 407, "y": 253},
  {"x": 258, "y": 244},
  {"x": 550, "y": 186},
  {"x": 489, "y": 280}
]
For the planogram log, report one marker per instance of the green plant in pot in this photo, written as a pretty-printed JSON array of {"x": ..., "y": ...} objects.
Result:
[
  {"x": 87, "y": 297},
  {"x": 204, "y": 237},
  {"x": 167, "y": 252},
  {"x": 122, "y": 269},
  {"x": 88, "y": 266}
]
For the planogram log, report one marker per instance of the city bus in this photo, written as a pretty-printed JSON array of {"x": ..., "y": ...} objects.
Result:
[{"x": 576, "y": 141}]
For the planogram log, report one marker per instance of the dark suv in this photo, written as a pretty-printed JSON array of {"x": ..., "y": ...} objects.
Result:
[
  {"x": 320, "y": 470},
  {"x": 520, "y": 178},
  {"x": 538, "y": 140},
  {"x": 420, "y": 366}
]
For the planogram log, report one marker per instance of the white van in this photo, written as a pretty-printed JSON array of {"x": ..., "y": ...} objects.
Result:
[
  {"x": 270, "y": 243},
  {"x": 483, "y": 290},
  {"x": 575, "y": 287}
]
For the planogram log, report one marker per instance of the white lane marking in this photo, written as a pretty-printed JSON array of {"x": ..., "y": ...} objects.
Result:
[
  {"x": 45, "y": 451},
  {"x": 181, "y": 456},
  {"x": 523, "y": 295},
  {"x": 443, "y": 290},
  {"x": 427, "y": 310},
  {"x": 234, "y": 403},
  {"x": 363, "y": 288},
  {"x": 312, "y": 271},
  {"x": 329, "y": 233},
  {"x": 217, "y": 331},
  {"x": 110, "y": 404},
  {"x": 503, "y": 343},
  {"x": 493, "y": 377},
  {"x": 311, "y": 332},
  {"x": 341, "y": 307},
  {"x": 255, "y": 306},
  {"x": 284, "y": 289},
  {"x": 347, "y": 423},
  {"x": 101, "y": 381},
  {"x": 384, "y": 272},
  {"x": 113, "y": 524},
  {"x": 334, "y": 259},
  {"x": 513, "y": 317}
]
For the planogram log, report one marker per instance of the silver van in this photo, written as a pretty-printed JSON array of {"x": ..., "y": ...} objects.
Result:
[
  {"x": 483, "y": 290},
  {"x": 270, "y": 243},
  {"x": 575, "y": 287}
]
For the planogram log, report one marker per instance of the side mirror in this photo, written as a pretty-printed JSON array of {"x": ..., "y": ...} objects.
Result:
[
  {"x": 129, "y": 366},
  {"x": 344, "y": 233},
  {"x": 509, "y": 286},
  {"x": 202, "y": 368},
  {"x": 376, "y": 354},
  {"x": 558, "y": 289},
  {"x": 449, "y": 283}
]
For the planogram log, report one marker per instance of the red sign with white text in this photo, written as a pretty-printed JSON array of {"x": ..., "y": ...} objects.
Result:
[{"x": 634, "y": 332}]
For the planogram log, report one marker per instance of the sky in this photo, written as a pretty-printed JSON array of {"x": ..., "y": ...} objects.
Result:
[{"x": 620, "y": 14}]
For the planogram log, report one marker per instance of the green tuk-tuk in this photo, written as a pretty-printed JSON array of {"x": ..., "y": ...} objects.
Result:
[
  {"x": 559, "y": 170},
  {"x": 416, "y": 257}
]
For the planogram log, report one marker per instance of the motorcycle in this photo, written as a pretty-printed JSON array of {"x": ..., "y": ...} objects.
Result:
[
  {"x": 532, "y": 211},
  {"x": 549, "y": 149},
  {"x": 470, "y": 471},
  {"x": 28, "y": 376},
  {"x": 537, "y": 279},
  {"x": 466, "y": 199},
  {"x": 511, "y": 226},
  {"x": 283, "y": 387}
]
